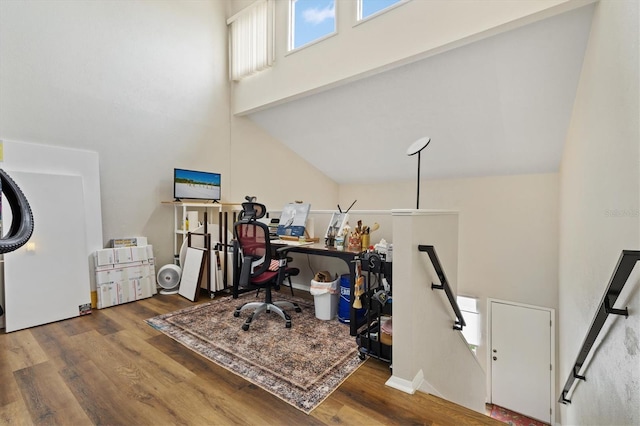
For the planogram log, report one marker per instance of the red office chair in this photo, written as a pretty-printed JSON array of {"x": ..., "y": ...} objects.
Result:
[{"x": 258, "y": 268}]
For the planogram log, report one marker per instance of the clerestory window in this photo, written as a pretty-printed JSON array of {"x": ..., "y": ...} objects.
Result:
[
  {"x": 310, "y": 21},
  {"x": 370, "y": 8}
]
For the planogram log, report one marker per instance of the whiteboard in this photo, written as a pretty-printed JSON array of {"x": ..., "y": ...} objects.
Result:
[
  {"x": 50, "y": 282},
  {"x": 191, "y": 273}
]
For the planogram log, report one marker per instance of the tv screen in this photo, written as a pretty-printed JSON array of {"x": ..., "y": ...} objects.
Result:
[{"x": 195, "y": 185}]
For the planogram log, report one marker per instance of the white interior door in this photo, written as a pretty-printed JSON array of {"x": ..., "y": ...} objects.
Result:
[
  {"x": 521, "y": 359},
  {"x": 49, "y": 281}
]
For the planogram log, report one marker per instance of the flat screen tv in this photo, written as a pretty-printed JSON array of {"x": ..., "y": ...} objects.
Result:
[{"x": 195, "y": 185}]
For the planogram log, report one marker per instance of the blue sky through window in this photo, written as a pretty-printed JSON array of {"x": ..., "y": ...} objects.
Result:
[
  {"x": 369, "y": 7},
  {"x": 312, "y": 19}
]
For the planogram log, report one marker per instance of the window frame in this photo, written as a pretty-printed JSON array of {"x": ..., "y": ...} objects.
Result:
[
  {"x": 476, "y": 314},
  {"x": 291, "y": 29},
  {"x": 359, "y": 8}
]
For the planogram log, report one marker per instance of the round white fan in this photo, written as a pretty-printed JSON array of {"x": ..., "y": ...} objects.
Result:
[{"x": 169, "y": 279}]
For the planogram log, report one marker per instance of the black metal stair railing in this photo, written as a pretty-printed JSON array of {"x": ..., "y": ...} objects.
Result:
[
  {"x": 444, "y": 285},
  {"x": 625, "y": 265}
]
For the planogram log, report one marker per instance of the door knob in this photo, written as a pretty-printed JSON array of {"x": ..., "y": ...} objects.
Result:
[{"x": 495, "y": 358}]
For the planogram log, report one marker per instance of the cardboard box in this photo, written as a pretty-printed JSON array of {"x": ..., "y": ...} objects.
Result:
[
  {"x": 128, "y": 242},
  {"x": 123, "y": 255},
  {"x": 104, "y": 257}
]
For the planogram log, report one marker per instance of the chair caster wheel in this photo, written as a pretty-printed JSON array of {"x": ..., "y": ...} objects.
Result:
[
  {"x": 361, "y": 356},
  {"x": 287, "y": 324},
  {"x": 245, "y": 327},
  {"x": 298, "y": 309},
  {"x": 236, "y": 314}
]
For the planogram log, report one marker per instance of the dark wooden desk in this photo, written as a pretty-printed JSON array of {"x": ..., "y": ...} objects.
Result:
[{"x": 319, "y": 249}]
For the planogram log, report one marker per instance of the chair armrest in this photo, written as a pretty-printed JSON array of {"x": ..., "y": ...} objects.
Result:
[{"x": 282, "y": 251}]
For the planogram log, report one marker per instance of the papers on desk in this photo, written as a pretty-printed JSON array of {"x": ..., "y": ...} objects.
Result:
[{"x": 292, "y": 242}]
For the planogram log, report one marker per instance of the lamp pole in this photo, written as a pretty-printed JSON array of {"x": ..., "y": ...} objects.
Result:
[
  {"x": 416, "y": 148},
  {"x": 418, "y": 185}
]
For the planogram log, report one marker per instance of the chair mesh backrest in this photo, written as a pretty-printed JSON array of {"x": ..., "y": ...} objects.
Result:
[{"x": 253, "y": 239}]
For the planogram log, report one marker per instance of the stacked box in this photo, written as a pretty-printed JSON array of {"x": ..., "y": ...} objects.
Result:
[
  {"x": 124, "y": 274},
  {"x": 128, "y": 242}
]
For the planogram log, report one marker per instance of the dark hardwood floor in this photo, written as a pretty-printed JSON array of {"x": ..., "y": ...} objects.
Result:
[{"x": 111, "y": 368}]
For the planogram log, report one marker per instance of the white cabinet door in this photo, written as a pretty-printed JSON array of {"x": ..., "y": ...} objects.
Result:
[{"x": 521, "y": 359}]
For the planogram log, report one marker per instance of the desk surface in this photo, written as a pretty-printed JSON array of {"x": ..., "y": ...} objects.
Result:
[
  {"x": 321, "y": 249},
  {"x": 291, "y": 242}
]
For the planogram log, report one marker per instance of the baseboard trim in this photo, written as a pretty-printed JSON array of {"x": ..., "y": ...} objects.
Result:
[{"x": 404, "y": 385}]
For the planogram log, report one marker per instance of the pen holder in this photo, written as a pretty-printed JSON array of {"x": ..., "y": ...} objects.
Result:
[
  {"x": 329, "y": 241},
  {"x": 366, "y": 241},
  {"x": 355, "y": 242},
  {"x": 340, "y": 243}
]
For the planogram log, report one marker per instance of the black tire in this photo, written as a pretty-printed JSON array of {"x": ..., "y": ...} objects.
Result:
[{"x": 22, "y": 222}]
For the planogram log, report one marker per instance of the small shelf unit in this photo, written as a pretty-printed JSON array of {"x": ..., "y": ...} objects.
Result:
[{"x": 220, "y": 215}]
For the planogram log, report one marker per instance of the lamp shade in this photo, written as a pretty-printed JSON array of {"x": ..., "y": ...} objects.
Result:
[{"x": 418, "y": 146}]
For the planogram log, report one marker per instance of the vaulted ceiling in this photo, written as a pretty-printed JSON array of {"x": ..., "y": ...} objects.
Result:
[{"x": 498, "y": 106}]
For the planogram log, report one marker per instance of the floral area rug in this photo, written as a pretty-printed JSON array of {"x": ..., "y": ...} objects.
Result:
[
  {"x": 301, "y": 365},
  {"x": 512, "y": 418}
]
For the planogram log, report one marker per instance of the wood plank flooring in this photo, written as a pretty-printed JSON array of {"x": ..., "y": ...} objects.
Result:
[{"x": 111, "y": 368}]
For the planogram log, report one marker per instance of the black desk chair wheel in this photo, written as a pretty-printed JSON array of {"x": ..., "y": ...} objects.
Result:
[{"x": 258, "y": 268}]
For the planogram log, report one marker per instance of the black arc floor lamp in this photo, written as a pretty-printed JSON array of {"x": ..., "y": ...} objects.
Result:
[{"x": 413, "y": 149}]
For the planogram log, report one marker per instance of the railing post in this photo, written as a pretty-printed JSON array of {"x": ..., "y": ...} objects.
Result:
[
  {"x": 608, "y": 309},
  {"x": 576, "y": 375}
]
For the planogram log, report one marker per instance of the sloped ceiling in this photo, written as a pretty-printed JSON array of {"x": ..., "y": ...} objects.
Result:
[{"x": 498, "y": 106}]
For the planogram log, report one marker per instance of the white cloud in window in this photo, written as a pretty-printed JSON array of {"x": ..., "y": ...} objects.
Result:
[{"x": 317, "y": 16}]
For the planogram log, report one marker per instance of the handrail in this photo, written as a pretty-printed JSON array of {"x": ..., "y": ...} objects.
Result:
[
  {"x": 625, "y": 265},
  {"x": 431, "y": 251}
]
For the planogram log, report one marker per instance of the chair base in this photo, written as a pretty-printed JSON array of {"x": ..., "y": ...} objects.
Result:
[{"x": 261, "y": 307}]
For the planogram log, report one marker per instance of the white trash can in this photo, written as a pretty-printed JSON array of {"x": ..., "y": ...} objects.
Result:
[{"x": 325, "y": 298}]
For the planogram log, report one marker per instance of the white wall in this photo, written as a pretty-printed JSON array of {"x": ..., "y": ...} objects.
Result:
[
  {"x": 599, "y": 187},
  {"x": 141, "y": 83},
  {"x": 144, "y": 84},
  {"x": 377, "y": 44},
  {"x": 427, "y": 353},
  {"x": 508, "y": 236},
  {"x": 261, "y": 166}
]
